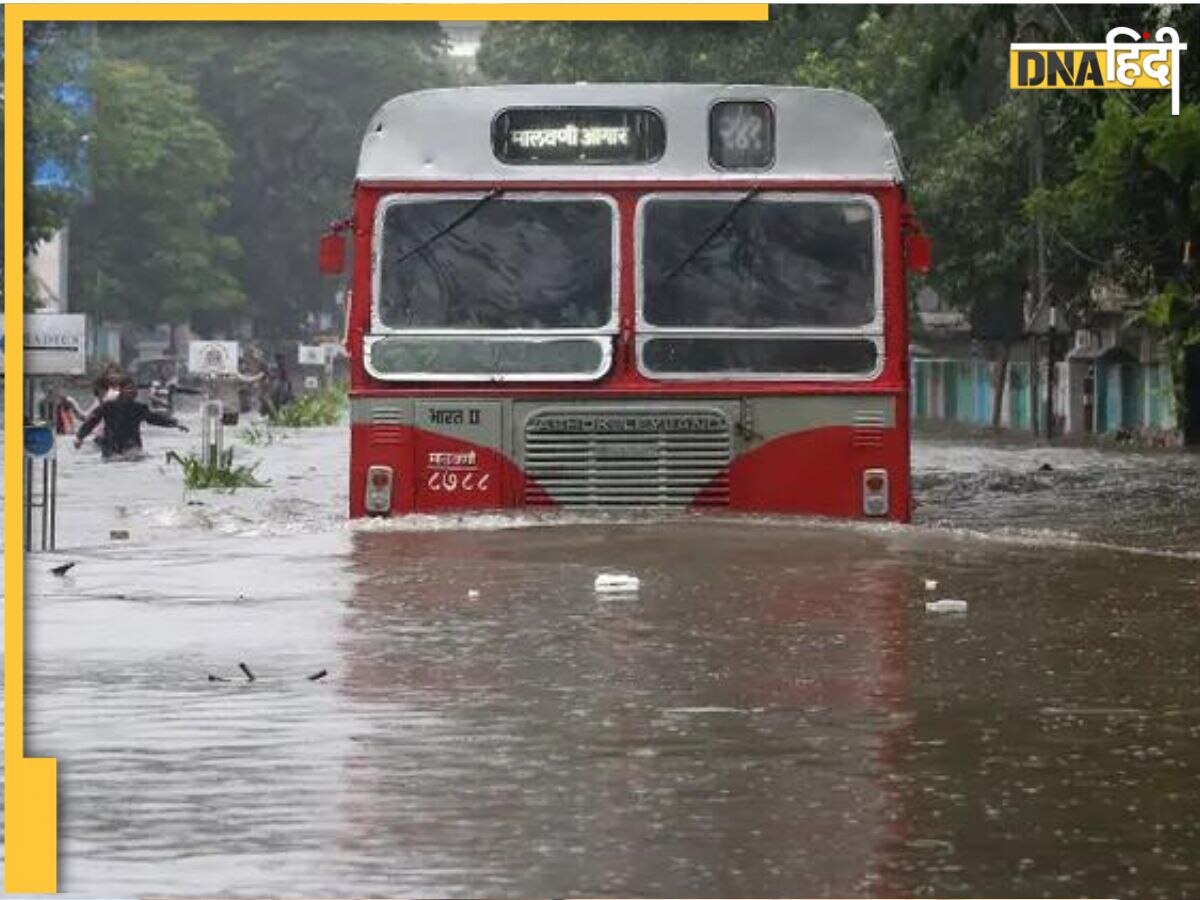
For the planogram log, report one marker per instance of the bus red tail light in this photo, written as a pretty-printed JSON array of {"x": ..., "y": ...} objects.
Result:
[
  {"x": 875, "y": 492},
  {"x": 918, "y": 249},
  {"x": 332, "y": 256},
  {"x": 378, "y": 500}
]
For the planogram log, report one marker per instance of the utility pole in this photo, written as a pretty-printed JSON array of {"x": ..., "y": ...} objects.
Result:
[
  {"x": 1041, "y": 277},
  {"x": 1034, "y": 307},
  {"x": 1043, "y": 289},
  {"x": 1041, "y": 285}
]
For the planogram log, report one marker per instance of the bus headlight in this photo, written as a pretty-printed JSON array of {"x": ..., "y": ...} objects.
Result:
[
  {"x": 379, "y": 490},
  {"x": 875, "y": 492}
]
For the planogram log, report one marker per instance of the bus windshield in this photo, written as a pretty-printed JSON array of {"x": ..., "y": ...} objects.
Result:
[
  {"x": 758, "y": 260},
  {"x": 497, "y": 262}
]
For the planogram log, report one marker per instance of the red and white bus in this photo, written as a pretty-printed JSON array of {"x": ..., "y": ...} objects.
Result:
[{"x": 629, "y": 295}]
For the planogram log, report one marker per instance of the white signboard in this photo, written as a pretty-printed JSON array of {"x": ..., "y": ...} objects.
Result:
[
  {"x": 310, "y": 355},
  {"x": 311, "y": 382},
  {"x": 54, "y": 344},
  {"x": 209, "y": 358}
]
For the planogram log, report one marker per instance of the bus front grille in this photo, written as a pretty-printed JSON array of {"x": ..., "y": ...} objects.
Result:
[{"x": 677, "y": 457}]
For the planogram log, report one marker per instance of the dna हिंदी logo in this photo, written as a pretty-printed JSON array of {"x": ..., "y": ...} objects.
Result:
[{"x": 1127, "y": 60}]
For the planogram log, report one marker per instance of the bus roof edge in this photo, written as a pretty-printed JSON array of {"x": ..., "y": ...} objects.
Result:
[{"x": 444, "y": 134}]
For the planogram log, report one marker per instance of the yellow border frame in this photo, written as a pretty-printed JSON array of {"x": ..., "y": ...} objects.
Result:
[{"x": 31, "y": 784}]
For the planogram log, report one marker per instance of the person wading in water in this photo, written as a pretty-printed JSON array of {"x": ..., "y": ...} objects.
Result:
[{"x": 123, "y": 418}]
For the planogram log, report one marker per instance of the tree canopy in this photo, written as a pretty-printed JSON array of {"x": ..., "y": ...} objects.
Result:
[
  {"x": 291, "y": 103},
  {"x": 146, "y": 247},
  {"x": 56, "y": 130},
  {"x": 217, "y": 215}
]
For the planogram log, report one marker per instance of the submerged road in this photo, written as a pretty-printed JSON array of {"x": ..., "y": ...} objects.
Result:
[{"x": 774, "y": 713}]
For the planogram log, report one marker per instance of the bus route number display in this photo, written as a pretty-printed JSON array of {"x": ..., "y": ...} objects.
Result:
[
  {"x": 578, "y": 135},
  {"x": 741, "y": 135}
]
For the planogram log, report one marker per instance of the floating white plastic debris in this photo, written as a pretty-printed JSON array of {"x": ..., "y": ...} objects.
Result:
[
  {"x": 946, "y": 606},
  {"x": 472, "y": 594},
  {"x": 610, "y": 583},
  {"x": 930, "y": 584}
]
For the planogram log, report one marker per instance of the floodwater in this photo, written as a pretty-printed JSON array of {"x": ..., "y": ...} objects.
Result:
[{"x": 774, "y": 713}]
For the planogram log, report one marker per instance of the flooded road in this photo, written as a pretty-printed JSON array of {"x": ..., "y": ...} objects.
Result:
[{"x": 774, "y": 713}]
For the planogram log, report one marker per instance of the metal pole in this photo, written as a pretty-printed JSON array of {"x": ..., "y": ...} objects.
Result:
[
  {"x": 28, "y": 494},
  {"x": 53, "y": 501},
  {"x": 45, "y": 500},
  {"x": 211, "y": 428}
]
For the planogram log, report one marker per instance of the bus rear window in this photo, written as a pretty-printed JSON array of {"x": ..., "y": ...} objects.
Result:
[
  {"x": 487, "y": 359},
  {"x": 495, "y": 263},
  {"x": 759, "y": 356},
  {"x": 758, "y": 260}
]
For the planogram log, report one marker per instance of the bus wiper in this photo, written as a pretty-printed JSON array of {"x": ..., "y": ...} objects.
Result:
[
  {"x": 452, "y": 224},
  {"x": 717, "y": 229}
]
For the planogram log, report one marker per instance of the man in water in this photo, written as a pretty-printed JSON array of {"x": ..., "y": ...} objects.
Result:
[{"x": 123, "y": 418}]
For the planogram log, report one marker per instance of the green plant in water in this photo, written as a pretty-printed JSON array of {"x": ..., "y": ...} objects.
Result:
[
  {"x": 221, "y": 474},
  {"x": 324, "y": 407}
]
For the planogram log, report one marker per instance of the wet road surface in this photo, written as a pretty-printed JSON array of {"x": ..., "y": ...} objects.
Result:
[{"x": 774, "y": 713}]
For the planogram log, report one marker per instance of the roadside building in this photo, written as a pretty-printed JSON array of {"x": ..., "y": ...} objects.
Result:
[{"x": 1112, "y": 379}]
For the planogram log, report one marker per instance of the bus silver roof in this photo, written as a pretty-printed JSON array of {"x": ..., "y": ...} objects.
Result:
[{"x": 445, "y": 134}]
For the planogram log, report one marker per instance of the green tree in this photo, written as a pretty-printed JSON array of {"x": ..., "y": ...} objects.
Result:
[
  {"x": 144, "y": 248},
  {"x": 1131, "y": 203},
  {"x": 1135, "y": 201},
  {"x": 55, "y": 130},
  {"x": 291, "y": 102}
]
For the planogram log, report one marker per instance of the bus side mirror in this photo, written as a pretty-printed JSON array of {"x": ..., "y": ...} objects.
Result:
[
  {"x": 918, "y": 252},
  {"x": 332, "y": 256}
]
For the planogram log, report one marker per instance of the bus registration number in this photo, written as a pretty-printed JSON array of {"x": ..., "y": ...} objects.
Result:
[{"x": 451, "y": 473}]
